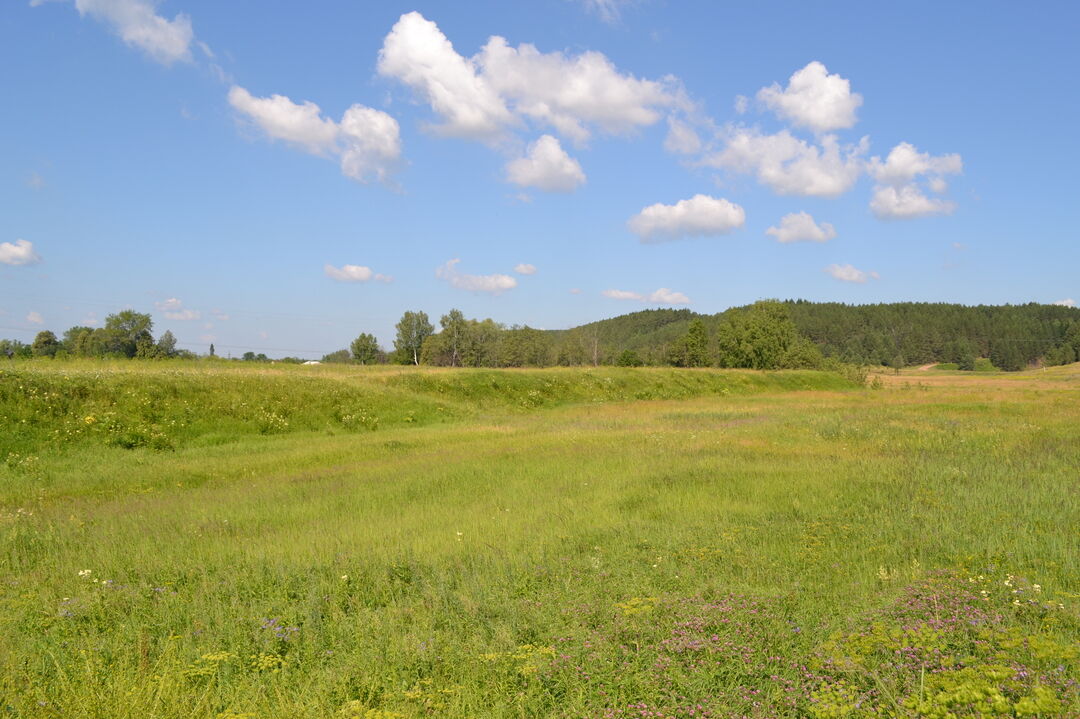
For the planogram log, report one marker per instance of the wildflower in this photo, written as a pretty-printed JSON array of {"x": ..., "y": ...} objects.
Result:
[
  {"x": 344, "y": 577},
  {"x": 1036, "y": 587},
  {"x": 85, "y": 572}
]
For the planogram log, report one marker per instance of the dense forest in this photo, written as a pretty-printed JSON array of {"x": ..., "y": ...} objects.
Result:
[
  {"x": 765, "y": 335},
  {"x": 896, "y": 334}
]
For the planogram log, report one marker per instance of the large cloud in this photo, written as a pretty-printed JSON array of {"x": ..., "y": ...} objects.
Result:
[
  {"x": 800, "y": 227},
  {"x": 138, "y": 24},
  {"x": 480, "y": 97},
  {"x": 494, "y": 284},
  {"x": 366, "y": 142},
  {"x": 547, "y": 167},
  {"x": 699, "y": 216},
  {"x": 898, "y": 193},
  {"x": 20, "y": 252},
  {"x": 662, "y": 296},
  {"x": 814, "y": 99},
  {"x": 572, "y": 93},
  {"x": 789, "y": 165},
  {"x": 850, "y": 273},
  {"x": 418, "y": 54}
]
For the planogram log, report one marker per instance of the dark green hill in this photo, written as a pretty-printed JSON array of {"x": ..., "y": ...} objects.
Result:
[{"x": 1012, "y": 336}]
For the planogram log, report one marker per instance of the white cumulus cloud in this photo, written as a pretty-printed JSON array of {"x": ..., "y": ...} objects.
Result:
[
  {"x": 898, "y": 193},
  {"x": 905, "y": 163},
  {"x": 906, "y": 202},
  {"x": 20, "y": 252},
  {"x": 1067, "y": 302},
  {"x": 138, "y": 24},
  {"x": 814, "y": 99},
  {"x": 417, "y": 53},
  {"x": 572, "y": 93},
  {"x": 494, "y": 284},
  {"x": 367, "y": 142},
  {"x": 701, "y": 215},
  {"x": 789, "y": 165},
  {"x": 801, "y": 227},
  {"x": 480, "y": 97},
  {"x": 662, "y": 296},
  {"x": 849, "y": 273},
  {"x": 35, "y": 318},
  {"x": 546, "y": 167},
  {"x": 525, "y": 269},
  {"x": 354, "y": 273}
]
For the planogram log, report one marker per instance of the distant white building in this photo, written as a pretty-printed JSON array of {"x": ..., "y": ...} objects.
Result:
[{"x": 313, "y": 362}]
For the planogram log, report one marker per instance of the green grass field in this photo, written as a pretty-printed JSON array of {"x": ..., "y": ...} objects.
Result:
[{"x": 215, "y": 540}]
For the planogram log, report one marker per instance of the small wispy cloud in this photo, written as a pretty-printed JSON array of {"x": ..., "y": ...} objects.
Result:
[
  {"x": 850, "y": 273},
  {"x": 354, "y": 273},
  {"x": 494, "y": 284},
  {"x": 662, "y": 296},
  {"x": 173, "y": 309}
]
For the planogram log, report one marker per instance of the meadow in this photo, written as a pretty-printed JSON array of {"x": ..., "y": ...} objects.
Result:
[{"x": 215, "y": 540}]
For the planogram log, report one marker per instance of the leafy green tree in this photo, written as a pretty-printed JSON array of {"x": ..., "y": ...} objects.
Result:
[
  {"x": 45, "y": 344},
  {"x": 629, "y": 358},
  {"x": 697, "y": 344},
  {"x": 145, "y": 348},
  {"x": 481, "y": 346},
  {"x": 78, "y": 341},
  {"x": 763, "y": 336},
  {"x": 524, "y": 347},
  {"x": 571, "y": 350},
  {"x": 125, "y": 329},
  {"x": 454, "y": 335},
  {"x": 412, "y": 330},
  {"x": 212, "y": 350},
  {"x": 166, "y": 344},
  {"x": 365, "y": 349},
  {"x": 13, "y": 349},
  {"x": 338, "y": 357}
]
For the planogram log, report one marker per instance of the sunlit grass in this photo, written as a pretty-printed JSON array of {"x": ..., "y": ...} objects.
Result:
[{"x": 569, "y": 553}]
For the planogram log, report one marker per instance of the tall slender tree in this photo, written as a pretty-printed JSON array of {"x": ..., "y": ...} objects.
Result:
[{"x": 412, "y": 330}]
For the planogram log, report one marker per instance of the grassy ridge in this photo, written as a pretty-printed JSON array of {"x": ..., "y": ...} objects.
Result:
[
  {"x": 760, "y": 553},
  {"x": 166, "y": 404}
]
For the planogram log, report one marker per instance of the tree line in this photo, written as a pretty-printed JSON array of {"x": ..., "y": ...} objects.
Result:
[
  {"x": 126, "y": 334},
  {"x": 769, "y": 334},
  {"x": 762, "y": 336}
]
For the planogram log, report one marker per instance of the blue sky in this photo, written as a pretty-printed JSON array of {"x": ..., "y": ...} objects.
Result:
[{"x": 545, "y": 163}]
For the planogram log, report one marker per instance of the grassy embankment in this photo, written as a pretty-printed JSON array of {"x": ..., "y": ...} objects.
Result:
[{"x": 224, "y": 541}]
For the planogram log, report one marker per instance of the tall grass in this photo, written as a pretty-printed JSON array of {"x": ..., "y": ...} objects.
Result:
[{"x": 620, "y": 543}]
